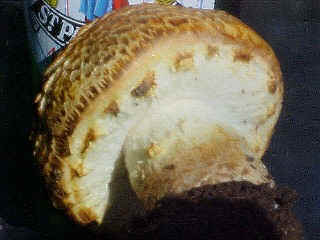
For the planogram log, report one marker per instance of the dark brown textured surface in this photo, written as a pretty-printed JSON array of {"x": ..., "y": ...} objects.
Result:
[{"x": 233, "y": 210}]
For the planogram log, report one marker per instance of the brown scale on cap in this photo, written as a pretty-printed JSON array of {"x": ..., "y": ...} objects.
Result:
[
  {"x": 272, "y": 87},
  {"x": 212, "y": 51},
  {"x": 90, "y": 137},
  {"x": 242, "y": 56},
  {"x": 183, "y": 62},
  {"x": 78, "y": 171},
  {"x": 113, "y": 108},
  {"x": 145, "y": 86}
]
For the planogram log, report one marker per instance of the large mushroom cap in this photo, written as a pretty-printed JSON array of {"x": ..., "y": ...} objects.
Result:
[{"x": 148, "y": 85}]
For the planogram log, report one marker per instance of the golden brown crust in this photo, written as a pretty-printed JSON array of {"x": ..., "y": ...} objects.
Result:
[{"x": 96, "y": 59}]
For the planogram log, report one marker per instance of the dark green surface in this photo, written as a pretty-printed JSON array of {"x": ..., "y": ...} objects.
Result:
[{"x": 293, "y": 30}]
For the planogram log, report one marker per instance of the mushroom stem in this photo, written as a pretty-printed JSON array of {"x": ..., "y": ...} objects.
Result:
[{"x": 172, "y": 153}]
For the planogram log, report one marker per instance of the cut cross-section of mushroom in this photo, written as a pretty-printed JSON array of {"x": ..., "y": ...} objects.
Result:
[{"x": 184, "y": 95}]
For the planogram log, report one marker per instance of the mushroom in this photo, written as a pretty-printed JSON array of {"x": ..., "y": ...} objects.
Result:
[{"x": 174, "y": 97}]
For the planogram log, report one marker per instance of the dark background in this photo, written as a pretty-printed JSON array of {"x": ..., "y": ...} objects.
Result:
[{"x": 292, "y": 28}]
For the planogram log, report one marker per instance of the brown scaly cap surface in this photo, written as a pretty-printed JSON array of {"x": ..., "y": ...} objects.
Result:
[{"x": 92, "y": 67}]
